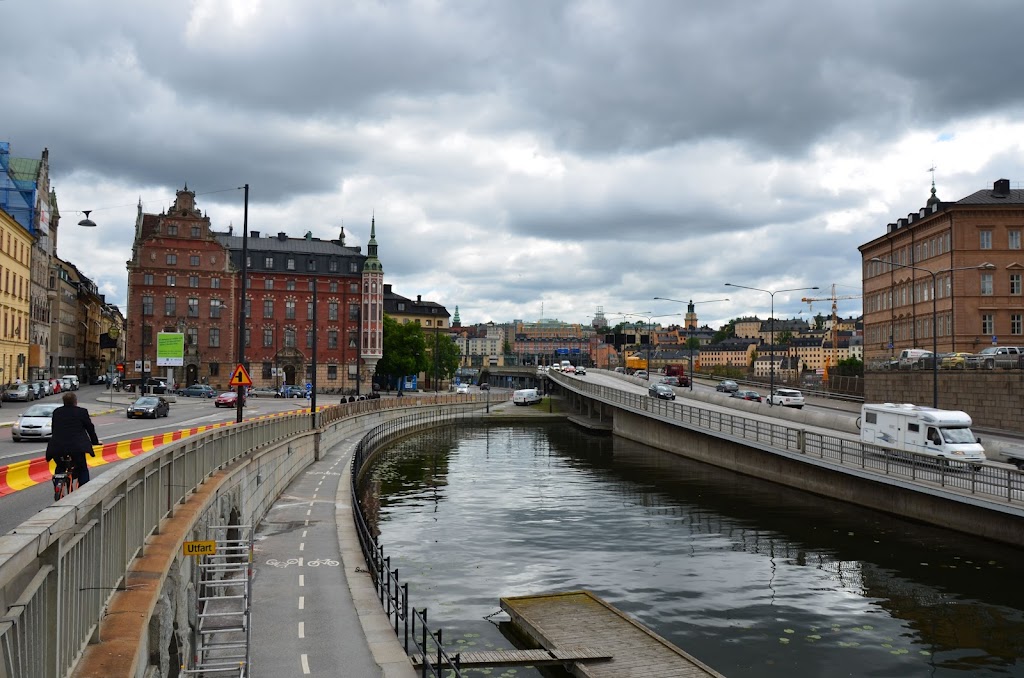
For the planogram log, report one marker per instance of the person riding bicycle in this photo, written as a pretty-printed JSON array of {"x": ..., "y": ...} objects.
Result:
[{"x": 72, "y": 435}]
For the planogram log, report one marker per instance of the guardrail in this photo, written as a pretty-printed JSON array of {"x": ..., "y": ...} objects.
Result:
[
  {"x": 59, "y": 570},
  {"x": 989, "y": 481}
]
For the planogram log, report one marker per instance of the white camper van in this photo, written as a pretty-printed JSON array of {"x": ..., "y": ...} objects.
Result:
[{"x": 945, "y": 434}]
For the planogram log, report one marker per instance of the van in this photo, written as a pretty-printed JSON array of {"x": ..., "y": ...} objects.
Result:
[
  {"x": 73, "y": 379},
  {"x": 944, "y": 434},
  {"x": 526, "y": 396},
  {"x": 909, "y": 358}
]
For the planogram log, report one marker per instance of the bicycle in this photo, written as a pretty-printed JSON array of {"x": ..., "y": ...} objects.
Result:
[{"x": 63, "y": 481}]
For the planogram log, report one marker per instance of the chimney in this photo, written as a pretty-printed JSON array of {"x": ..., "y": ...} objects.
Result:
[
  {"x": 254, "y": 234},
  {"x": 282, "y": 236},
  {"x": 1001, "y": 189},
  {"x": 418, "y": 298}
]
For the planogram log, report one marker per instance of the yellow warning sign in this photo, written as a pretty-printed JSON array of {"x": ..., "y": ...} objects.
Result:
[
  {"x": 199, "y": 548},
  {"x": 240, "y": 377}
]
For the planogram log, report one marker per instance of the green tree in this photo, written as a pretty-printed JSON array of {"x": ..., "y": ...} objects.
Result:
[
  {"x": 851, "y": 367},
  {"x": 506, "y": 348},
  {"x": 784, "y": 338},
  {"x": 404, "y": 350},
  {"x": 727, "y": 331},
  {"x": 693, "y": 343},
  {"x": 448, "y": 355}
]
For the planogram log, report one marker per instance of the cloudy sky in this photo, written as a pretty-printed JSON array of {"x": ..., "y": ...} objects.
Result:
[{"x": 526, "y": 158}]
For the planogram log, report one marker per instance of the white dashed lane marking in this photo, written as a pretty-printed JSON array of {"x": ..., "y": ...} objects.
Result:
[{"x": 302, "y": 629}]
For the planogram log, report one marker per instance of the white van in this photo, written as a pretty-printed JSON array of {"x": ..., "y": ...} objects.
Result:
[
  {"x": 945, "y": 434},
  {"x": 72, "y": 379},
  {"x": 526, "y": 396},
  {"x": 909, "y": 358}
]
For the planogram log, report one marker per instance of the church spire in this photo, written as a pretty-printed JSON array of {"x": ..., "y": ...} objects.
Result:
[{"x": 372, "y": 263}]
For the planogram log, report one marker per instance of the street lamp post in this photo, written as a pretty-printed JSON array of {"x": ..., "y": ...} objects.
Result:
[
  {"x": 241, "y": 299},
  {"x": 771, "y": 293},
  {"x": 689, "y": 328},
  {"x": 935, "y": 314}
]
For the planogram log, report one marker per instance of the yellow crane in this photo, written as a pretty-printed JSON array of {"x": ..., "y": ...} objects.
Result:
[{"x": 833, "y": 358}]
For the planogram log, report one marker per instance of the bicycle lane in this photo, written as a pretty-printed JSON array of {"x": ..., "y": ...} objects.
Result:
[{"x": 306, "y": 620}]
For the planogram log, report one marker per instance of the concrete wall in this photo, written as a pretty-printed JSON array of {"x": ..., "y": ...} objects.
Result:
[
  {"x": 992, "y": 398},
  {"x": 884, "y": 494}
]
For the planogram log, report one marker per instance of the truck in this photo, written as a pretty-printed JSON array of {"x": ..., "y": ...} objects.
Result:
[
  {"x": 943, "y": 434},
  {"x": 1008, "y": 357}
]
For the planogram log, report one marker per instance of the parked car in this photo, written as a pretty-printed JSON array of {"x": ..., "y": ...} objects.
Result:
[
  {"x": 727, "y": 386},
  {"x": 149, "y": 407},
  {"x": 787, "y": 397},
  {"x": 56, "y": 385},
  {"x": 954, "y": 361},
  {"x": 746, "y": 395},
  {"x": 526, "y": 396},
  {"x": 997, "y": 356},
  {"x": 19, "y": 392},
  {"x": 291, "y": 391},
  {"x": 662, "y": 391},
  {"x": 46, "y": 387},
  {"x": 198, "y": 391},
  {"x": 462, "y": 388},
  {"x": 485, "y": 386},
  {"x": 38, "y": 390},
  {"x": 228, "y": 399},
  {"x": 263, "y": 392},
  {"x": 73, "y": 380},
  {"x": 34, "y": 423}
]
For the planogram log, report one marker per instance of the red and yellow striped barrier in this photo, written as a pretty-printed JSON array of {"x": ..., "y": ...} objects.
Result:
[{"x": 23, "y": 474}]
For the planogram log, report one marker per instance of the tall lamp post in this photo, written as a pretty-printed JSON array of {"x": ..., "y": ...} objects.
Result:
[
  {"x": 772, "y": 293},
  {"x": 689, "y": 328},
  {"x": 312, "y": 381},
  {"x": 241, "y": 300},
  {"x": 935, "y": 313}
]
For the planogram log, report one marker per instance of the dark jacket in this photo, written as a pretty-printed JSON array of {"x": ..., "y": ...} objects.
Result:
[{"x": 73, "y": 433}]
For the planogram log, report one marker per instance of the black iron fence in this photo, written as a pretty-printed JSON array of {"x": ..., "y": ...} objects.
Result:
[{"x": 410, "y": 624}]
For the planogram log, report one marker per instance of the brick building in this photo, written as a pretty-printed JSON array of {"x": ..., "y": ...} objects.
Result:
[{"x": 185, "y": 277}]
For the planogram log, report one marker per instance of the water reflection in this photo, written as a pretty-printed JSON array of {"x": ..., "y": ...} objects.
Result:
[{"x": 752, "y": 578}]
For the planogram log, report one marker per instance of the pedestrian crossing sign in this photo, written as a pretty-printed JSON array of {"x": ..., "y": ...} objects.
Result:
[{"x": 240, "y": 377}]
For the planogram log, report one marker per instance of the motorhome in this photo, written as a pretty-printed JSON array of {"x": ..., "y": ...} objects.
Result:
[{"x": 945, "y": 434}]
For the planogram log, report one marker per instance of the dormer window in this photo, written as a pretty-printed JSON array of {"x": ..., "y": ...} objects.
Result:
[{"x": 172, "y": 229}]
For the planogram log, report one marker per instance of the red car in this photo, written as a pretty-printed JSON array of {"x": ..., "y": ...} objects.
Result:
[{"x": 228, "y": 399}]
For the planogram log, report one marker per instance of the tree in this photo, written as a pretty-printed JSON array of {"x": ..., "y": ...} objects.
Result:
[
  {"x": 851, "y": 367},
  {"x": 404, "y": 350},
  {"x": 784, "y": 338},
  {"x": 448, "y": 356},
  {"x": 506, "y": 347},
  {"x": 727, "y": 331}
]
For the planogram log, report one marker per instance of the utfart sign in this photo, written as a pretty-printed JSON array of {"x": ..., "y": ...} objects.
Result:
[{"x": 199, "y": 548}]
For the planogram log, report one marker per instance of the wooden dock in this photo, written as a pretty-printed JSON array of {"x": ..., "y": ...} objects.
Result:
[
  {"x": 577, "y": 620},
  {"x": 477, "y": 660}
]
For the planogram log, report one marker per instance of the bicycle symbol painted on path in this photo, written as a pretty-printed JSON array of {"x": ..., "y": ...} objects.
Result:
[{"x": 318, "y": 562}]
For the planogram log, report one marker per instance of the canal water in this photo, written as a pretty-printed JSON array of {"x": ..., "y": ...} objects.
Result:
[{"x": 754, "y": 579}]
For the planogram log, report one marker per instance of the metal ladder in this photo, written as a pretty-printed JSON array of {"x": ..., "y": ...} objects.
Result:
[{"x": 221, "y": 639}]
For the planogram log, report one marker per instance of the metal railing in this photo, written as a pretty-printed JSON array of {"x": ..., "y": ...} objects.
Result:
[
  {"x": 983, "y": 480},
  {"x": 393, "y": 594}
]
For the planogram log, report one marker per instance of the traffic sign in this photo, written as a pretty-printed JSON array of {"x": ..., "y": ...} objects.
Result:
[
  {"x": 199, "y": 548},
  {"x": 240, "y": 377}
]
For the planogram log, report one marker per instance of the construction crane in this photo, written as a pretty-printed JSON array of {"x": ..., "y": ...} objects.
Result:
[{"x": 832, "y": 359}]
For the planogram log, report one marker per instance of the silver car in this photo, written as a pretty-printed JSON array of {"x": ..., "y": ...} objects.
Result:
[
  {"x": 34, "y": 423},
  {"x": 22, "y": 392}
]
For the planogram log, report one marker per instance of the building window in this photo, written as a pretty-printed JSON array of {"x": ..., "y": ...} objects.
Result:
[
  {"x": 267, "y": 370},
  {"x": 268, "y": 338},
  {"x": 195, "y": 231},
  {"x": 289, "y": 338},
  {"x": 147, "y": 279},
  {"x": 332, "y": 266},
  {"x": 193, "y": 260},
  {"x": 147, "y": 335},
  {"x": 170, "y": 306},
  {"x": 291, "y": 264},
  {"x": 353, "y": 267},
  {"x": 334, "y": 286},
  {"x": 214, "y": 369},
  {"x": 193, "y": 307},
  {"x": 172, "y": 259},
  {"x": 353, "y": 311},
  {"x": 1013, "y": 239},
  {"x": 401, "y": 306},
  {"x": 215, "y": 307},
  {"x": 332, "y": 339},
  {"x": 192, "y": 336},
  {"x": 353, "y": 288},
  {"x": 193, "y": 281},
  {"x": 215, "y": 283},
  {"x": 310, "y": 286},
  {"x": 986, "y": 284},
  {"x": 1015, "y": 283},
  {"x": 290, "y": 285},
  {"x": 268, "y": 284},
  {"x": 248, "y": 337},
  {"x": 309, "y": 338},
  {"x": 171, "y": 281},
  {"x": 309, "y": 310},
  {"x": 147, "y": 305},
  {"x": 289, "y": 310},
  {"x": 268, "y": 308},
  {"x": 332, "y": 372},
  {"x": 332, "y": 310},
  {"x": 268, "y": 262},
  {"x": 1016, "y": 323},
  {"x": 988, "y": 324},
  {"x": 311, "y": 265},
  {"x": 986, "y": 240},
  {"x": 172, "y": 229},
  {"x": 351, "y": 339},
  {"x": 248, "y": 308}
]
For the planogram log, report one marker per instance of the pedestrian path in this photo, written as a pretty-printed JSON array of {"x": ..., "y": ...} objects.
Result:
[{"x": 315, "y": 612}]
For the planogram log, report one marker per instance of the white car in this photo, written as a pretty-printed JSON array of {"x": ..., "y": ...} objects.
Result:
[
  {"x": 462, "y": 388},
  {"x": 34, "y": 423},
  {"x": 787, "y": 397}
]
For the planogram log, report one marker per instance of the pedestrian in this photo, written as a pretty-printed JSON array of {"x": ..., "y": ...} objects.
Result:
[{"x": 72, "y": 434}]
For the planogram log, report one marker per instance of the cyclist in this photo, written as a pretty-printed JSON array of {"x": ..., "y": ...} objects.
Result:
[{"x": 72, "y": 435}]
